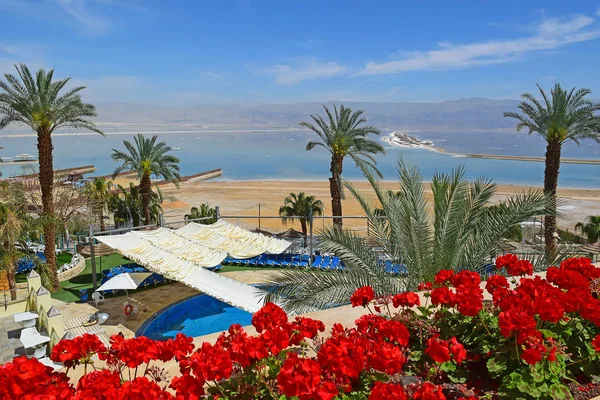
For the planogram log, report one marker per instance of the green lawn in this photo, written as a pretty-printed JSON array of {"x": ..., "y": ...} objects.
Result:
[{"x": 70, "y": 289}]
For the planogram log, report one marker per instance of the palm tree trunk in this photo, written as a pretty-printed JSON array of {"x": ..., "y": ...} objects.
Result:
[
  {"x": 145, "y": 188},
  {"x": 304, "y": 230},
  {"x": 335, "y": 189},
  {"x": 11, "y": 276},
  {"x": 45, "y": 148},
  {"x": 550, "y": 184},
  {"x": 101, "y": 217}
]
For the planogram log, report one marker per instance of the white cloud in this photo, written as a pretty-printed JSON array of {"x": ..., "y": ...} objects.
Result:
[
  {"x": 213, "y": 77},
  {"x": 301, "y": 70},
  {"x": 551, "y": 33},
  {"x": 92, "y": 16}
]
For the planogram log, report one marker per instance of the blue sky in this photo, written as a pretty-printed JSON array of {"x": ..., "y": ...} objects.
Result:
[{"x": 186, "y": 52}]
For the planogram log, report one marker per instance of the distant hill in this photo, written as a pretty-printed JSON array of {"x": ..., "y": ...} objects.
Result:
[{"x": 460, "y": 115}]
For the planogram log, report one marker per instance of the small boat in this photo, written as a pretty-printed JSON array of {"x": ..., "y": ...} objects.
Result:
[
  {"x": 176, "y": 148},
  {"x": 24, "y": 157}
]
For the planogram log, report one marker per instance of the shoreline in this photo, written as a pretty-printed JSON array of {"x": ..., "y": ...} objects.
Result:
[{"x": 243, "y": 197}]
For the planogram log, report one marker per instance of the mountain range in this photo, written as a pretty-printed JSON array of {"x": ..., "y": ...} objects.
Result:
[{"x": 472, "y": 114}]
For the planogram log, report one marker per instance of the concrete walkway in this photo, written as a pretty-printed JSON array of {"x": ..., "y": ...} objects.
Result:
[{"x": 9, "y": 338}]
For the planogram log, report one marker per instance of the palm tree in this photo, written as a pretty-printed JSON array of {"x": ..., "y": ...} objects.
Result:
[
  {"x": 11, "y": 228},
  {"x": 461, "y": 233},
  {"x": 127, "y": 205},
  {"x": 565, "y": 116},
  {"x": 343, "y": 135},
  {"x": 299, "y": 206},
  {"x": 590, "y": 227},
  {"x": 42, "y": 104},
  {"x": 147, "y": 158},
  {"x": 97, "y": 191},
  {"x": 205, "y": 211}
]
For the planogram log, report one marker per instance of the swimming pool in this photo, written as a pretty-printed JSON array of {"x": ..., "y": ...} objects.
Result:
[{"x": 195, "y": 316}]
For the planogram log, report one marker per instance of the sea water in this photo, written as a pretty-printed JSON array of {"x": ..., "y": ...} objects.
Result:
[{"x": 281, "y": 155}]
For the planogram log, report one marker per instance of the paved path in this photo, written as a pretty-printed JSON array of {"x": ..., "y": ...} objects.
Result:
[{"x": 9, "y": 338}]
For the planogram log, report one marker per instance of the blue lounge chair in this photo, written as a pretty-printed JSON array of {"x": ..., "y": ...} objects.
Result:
[{"x": 317, "y": 261}]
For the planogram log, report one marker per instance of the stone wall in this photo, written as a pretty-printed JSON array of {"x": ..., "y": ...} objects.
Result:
[{"x": 74, "y": 271}]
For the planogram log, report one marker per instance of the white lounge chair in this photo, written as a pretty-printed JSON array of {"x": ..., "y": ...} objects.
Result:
[
  {"x": 49, "y": 363},
  {"x": 40, "y": 352},
  {"x": 98, "y": 298}
]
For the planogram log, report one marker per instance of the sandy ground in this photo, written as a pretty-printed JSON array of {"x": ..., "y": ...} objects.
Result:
[{"x": 240, "y": 199}]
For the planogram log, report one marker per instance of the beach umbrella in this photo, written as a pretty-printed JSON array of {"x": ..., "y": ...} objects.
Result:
[
  {"x": 262, "y": 232},
  {"x": 290, "y": 234},
  {"x": 125, "y": 281}
]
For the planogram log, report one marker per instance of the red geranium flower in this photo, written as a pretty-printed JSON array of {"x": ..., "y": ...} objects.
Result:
[
  {"x": 596, "y": 343},
  {"x": 429, "y": 391},
  {"x": 532, "y": 355},
  {"x": 270, "y": 316},
  {"x": 387, "y": 391},
  {"x": 438, "y": 350},
  {"x": 443, "y": 276},
  {"x": 505, "y": 260},
  {"x": 406, "y": 299},
  {"x": 443, "y": 296},
  {"x": 362, "y": 296},
  {"x": 301, "y": 377},
  {"x": 458, "y": 351},
  {"x": 494, "y": 282},
  {"x": 425, "y": 286}
]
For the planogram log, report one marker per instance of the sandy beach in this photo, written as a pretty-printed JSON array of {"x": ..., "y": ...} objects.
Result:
[{"x": 242, "y": 198}]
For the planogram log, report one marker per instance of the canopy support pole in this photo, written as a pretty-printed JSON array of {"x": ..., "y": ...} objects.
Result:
[
  {"x": 93, "y": 255},
  {"x": 311, "y": 237}
]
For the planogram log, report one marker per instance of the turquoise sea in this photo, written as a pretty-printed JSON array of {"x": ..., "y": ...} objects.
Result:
[{"x": 280, "y": 155}]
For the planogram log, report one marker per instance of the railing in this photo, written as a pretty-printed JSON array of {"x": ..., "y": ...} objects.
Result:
[{"x": 6, "y": 297}]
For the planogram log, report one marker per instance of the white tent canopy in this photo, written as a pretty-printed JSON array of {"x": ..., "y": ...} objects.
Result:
[
  {"x": 236, "y": 241},
  {"x": 125, "y": 281},
  {"x": 174, "y": 266}
]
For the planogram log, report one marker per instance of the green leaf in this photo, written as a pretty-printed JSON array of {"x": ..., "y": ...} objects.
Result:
[
  {"x": 424, "y": 310},
  {"x": 559, "y": 392},
  {"x": 496, "y": 365},
  {"x": 448, "y": 367}
]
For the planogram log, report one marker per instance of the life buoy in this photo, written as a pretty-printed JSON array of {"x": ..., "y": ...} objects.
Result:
[{"x": 128, "y": 309}]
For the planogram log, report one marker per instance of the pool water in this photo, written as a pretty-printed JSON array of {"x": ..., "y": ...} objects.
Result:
[{"x": 195, "y": 316}]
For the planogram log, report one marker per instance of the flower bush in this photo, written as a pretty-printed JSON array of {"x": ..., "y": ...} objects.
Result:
[{"x": 535, "y": 338}]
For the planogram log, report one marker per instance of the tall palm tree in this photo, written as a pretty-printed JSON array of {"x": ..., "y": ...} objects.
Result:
[
  {"x": 298, "y": 206},
  {"x": 127, "y": 205},
  {"x": 462, "y": 232},
  {"x": 11, "y": 228},
  {"x": 562, "y": 117},
  {"x": 147, "y": 158},
  {"x": 205, "y": 211},
  {"x": 343, "y": 135},
  {"x": 590, "y": 228},
  {"x": 97, "y": 192},
  {"x": 44, "y": 105}
]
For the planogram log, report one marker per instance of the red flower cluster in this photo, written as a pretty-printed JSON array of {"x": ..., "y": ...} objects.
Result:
[
  {"x": 77, "y": 351},
  {"x": 301, "y": 377},
  {"x": 28, "y": 379},
  {"x": 513, "y": 265},
  {"x": 596, "y": 344},
  {"x": 387, "y": 391},
  {"x": 406, "y": 299},
  {"x": 362, "y": 296},
  {"x": 467, "y": 296},
  {"x": 443, "y": 350},
  {"x": 429, "y": 391},
  {"x": 350, "y": 360}
]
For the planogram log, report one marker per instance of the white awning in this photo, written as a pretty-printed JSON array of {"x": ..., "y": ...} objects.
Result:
[
  {"x": 176, "y": 266},
  {"x": 125, "y": 281},
  {"x": 236, "y": 241}
]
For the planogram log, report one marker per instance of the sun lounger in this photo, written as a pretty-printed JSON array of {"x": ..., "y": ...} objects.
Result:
[{"x": 317, "y": 261}]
